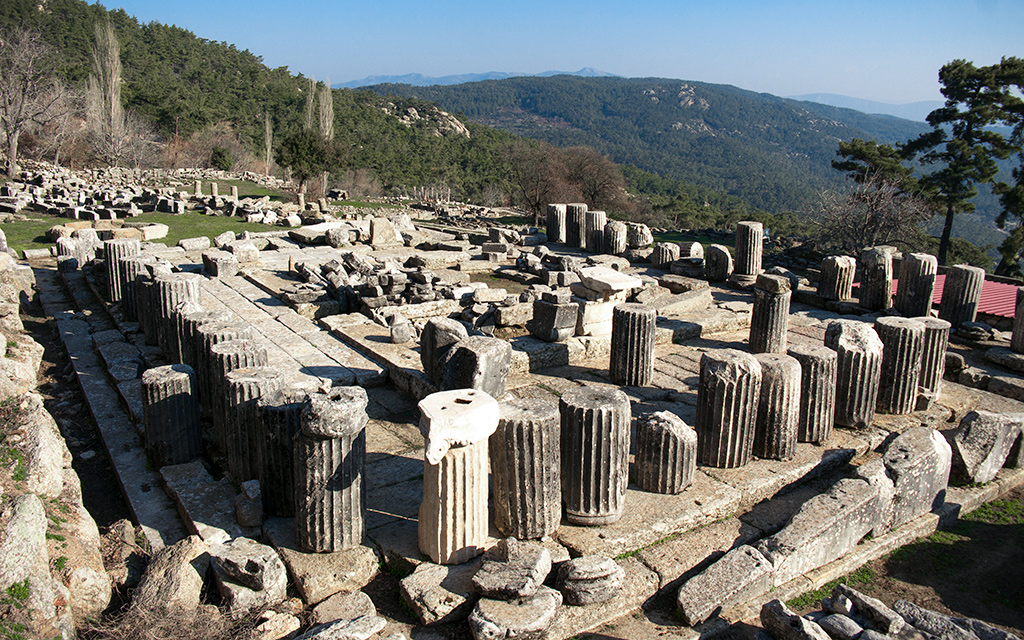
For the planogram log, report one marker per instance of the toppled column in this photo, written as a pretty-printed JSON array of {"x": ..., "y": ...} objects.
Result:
[
  {"x": 1017, "y": 338},
  {"x": 172, "y": 289},
  {"x": 836, "y": 279},
  {"x": 727, "y": 396},
  {"x": 778, "y": 407},
  {"x": 666, "y": 453},
  {"x": 664, "y": 254},
  {"x": 916, "y": 284},
  {"x": 242, "y": 388},
  {"x": 876, "y": 278},
  {"x": 114, "y": 252},
  {"x": 224, "y": 358},
  {"x": 933, "y": 360},
  {"x": 903, "y": 347},
  {"x": 770, "y": 318},
  {"x": 749, "y": 248},
  {"x": 437, "y": 338},
  {"x": 717, "y": 263},
  {"x": 556, "y": 223},
  {"x": 595, "y": 231},
  {"x": 330, "y": 461},
  {"x": 960, "y": 294},
  {"x": 616, "y": 238},
  {"x": 858, "y": 371},
  {"x": 575, "y": 224},
  {"x": 171, "y": 415},
  {"x": 817, "y": 392},
  {"x": 595, "y": 454},
  {"x": 526, "y": 469},
  {"x": 632, "y": 346},
  {"x": 279, "y": 415},
  {"x": 453, "y": 515}
]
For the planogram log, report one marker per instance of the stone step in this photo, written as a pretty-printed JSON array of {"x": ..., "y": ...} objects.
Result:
[{"x": 150, "y": 507}]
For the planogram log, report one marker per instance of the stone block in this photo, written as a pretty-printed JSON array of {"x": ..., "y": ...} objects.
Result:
[
  {"x": 742, "y": 574},
  {"x": 918, "y": 461},
  {"x": 981, "y": 444}
]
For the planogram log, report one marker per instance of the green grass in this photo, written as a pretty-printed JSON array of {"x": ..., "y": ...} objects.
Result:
[
  {"x": 30, "y": 233},
  {"x": 998, "y": 512},
  {"x": 863, "y": 575}
]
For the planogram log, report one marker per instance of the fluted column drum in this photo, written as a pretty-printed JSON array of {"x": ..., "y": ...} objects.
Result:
[
  {"x": 556, "y": 223},
  {"x": 960, "y": 294},
  {"x": 916, "y": 284},
  {"x": 903, "y": 348},
  {"x": 131, "y": 268},
  {"x": 575, "y": 224},
  {"x": 749, "y": 248},
  {"x": 769, "y": 320},
  {"x": 875, "y": 279},
  {"x": 207, "y": 335},
  {"x": 664, "y": 254},
  {"x": 147, "y": 306},
  {"x": 279, "y": 415},
  {"x": 817, "y": 392},
  {"x": 453, "y": 518},
  {"x": 717, "y": 263},
  {"x": 226, "y": 357},
  {"x": 330, "y": 462},
  {"x": 727, "y": 396},
  {"x": 616, "y": 239},
  {"x": 933, "y": 360},
  {"x": 114, "y": 252},
  {"x": 595, "y": 424},
  {"x": 596, "y": 220},
  {"x": 242, "y": 388},
  {"x": 172, "y": 289},
  {"x": 188, "y": 324},
  {"x": 631, "y": 361},
  {"x": 526, "y": 469},
  {"x": 666, "y": 453},
  {"x": 171, "y": 415},
  {"x": 858, "y": 371},
  {"x": 836, "y": 279},
  {"x": 778, "y": 407}
]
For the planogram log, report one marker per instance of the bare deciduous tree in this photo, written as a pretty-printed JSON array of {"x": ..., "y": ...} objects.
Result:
[
  {"x": 30, "y": 92},
  {"x": 103, "y": 96},
  {"x": 268, "y": 143},
  {"x": 326, "y": 99},
  {"x": 874, "y": 211}
]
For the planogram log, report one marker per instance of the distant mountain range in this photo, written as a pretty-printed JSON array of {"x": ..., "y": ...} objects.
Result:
[
  {"x": 911, "y": 111},
  {"x": 419, "y": 80}
]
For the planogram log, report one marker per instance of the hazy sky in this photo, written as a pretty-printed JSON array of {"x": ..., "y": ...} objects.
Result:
[{"x": 885, "y": 50}]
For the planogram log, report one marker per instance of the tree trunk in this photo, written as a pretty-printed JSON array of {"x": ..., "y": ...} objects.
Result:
[
  {"x": 947, "y": 231},
  {"x": 12, "y": 155}
]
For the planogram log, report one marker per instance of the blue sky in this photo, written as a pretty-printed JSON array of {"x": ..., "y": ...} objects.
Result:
[{"x": 889, "y": 51}]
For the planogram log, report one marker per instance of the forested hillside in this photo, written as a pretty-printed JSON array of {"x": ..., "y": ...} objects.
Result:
[{"x": 773, "y": 152}]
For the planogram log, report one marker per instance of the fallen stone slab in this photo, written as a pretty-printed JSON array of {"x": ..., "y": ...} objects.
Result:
[
  {"x": 918, "y": 461},
  {"x": 1004, "y": 357},
  {"x": 590, "y": 579},
  {"x": 249, "y": 575},
  {"x": 981, "y": 444},
  {"x": 783, "y": 624},
  {"x": 319, "y": 575},
  {"x": 441, "y": 593},
  {"x": 345, "y": 604},
  {"x": 825, "y": 528},
  {"x": 206, "y": 505},
  {"x": 512, "y": 569},
  {"x": 742, "y": 574},
  {"x": 639, "y": 585},
  {"x": 174, "y": 578},
  {"x": 527, "y": 618},
  {"x": 881, "y": 617}
]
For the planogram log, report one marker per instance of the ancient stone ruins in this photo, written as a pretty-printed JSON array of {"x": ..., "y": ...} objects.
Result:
[{"x": 296, "y": 410}]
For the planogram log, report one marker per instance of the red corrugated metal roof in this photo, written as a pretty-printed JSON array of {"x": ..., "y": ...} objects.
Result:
[{"x": 997, "y": 298}]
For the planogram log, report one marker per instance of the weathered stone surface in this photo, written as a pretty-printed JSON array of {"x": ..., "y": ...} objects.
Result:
[
  {"x": 836, "y": 280},
  {"x": 595, "y": 424},
  {"x": 664, "y": 254},
  {"x": 438, "y": 594},
  {"x": 438, "y": 336},
  {"x": 778, "y": 407},
  {"x": 616, "y": 238},
  {"x": 858, "y": 371},
  {"x": 589, "y": 580},
  {"x": 23, "y": 554},
  {"x": 279, "y": 415},
  {"x": 556, "y": 223},
  {"x": 512, "y": 569},
  {"x": 729, "y": 379},
  {"x": 527, "y": 619},
  {"x": 526, "y": 468},
  {"x": 769, "y": 321},
  {"x": 632, "y": 346},
  {"x": 575, "y": 224},
  {"x": 171, "y": 414},
  {"x": 741, "y": 574},
  {"x": 174, "y": 578},
  {"x": 717, "y": 263},
  {"x": 320, "y": 575},
  {"x": 817, "y": 392},
  {"x": 249, "y": 575},
  {"x": 918, "y": 461},
  {"x": 825, "y": 528},
  {"x": 345, "y": 604},
  {"x": 916, "y": 284},
  {"x": 933, "y": 360},
  {"x": 840, "y": 627},
  {"x": 981, "y": 443},
  {"x": 881, "y": 617},
  {"x": 902, "y": 355},
  {"x": 783, "y": 624},
  {"x": 749, "y": 247},
  {"x": 595, "y": 221},
  {"x": 961, "y": 293},
  {"x": 553, "y": 321},
  {"x": 477, "y": 362},
  {"x": 876, "y": 278},
  {"x": 666, "y": 453}
]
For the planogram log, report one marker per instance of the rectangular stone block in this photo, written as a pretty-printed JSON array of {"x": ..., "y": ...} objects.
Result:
[{"x": 740, "y": 575}]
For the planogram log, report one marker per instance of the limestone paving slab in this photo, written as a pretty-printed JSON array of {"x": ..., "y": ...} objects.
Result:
[
  {"x": 401, "y": 361},
  {"x": 649, "y": 517},
  {"x": 206, "y": 505},
  {"x": 318, "y": 576},
  {"x": 685, "y": 554}
]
